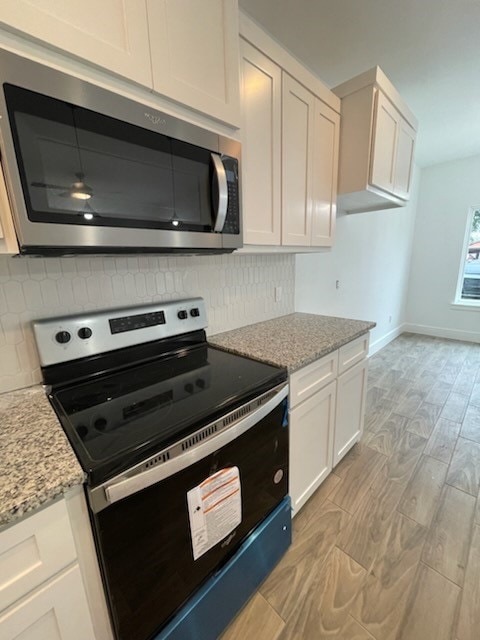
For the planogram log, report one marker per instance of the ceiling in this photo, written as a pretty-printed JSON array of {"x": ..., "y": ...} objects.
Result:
[{"x": 429, "y": 49}]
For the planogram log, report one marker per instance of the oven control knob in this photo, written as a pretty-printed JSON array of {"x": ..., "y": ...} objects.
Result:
[
  {"x": 84, "y": 333},
  {"x": 195, "y": 312},
  {"x": 182, "y": 314},
  {"x": 62, "y": 337}
]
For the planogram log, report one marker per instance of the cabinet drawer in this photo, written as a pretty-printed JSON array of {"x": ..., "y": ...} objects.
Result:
[
  {"x": 315, "y": 376},
  {"x": 352, "y": 352},
  {"x": 56, "y": 611},
  {"x": 33, "y": 550}
]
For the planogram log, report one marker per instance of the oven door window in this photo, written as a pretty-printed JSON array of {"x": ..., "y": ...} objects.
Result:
[{"x": 81, "y": 167}]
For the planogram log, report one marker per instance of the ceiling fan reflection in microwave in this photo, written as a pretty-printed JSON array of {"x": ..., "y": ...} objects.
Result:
[{"x": 79, "y": 189}]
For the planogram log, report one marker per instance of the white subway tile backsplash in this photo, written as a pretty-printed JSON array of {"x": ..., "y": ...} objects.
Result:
[{"x": 238, "y": 290}]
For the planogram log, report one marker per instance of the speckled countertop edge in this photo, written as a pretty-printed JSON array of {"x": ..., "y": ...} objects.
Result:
[
  {"x": 291, "y": 341},
  {"x": 37, "y": 463}
]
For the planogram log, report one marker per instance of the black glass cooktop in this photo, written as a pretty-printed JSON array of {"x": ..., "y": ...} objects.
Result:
[{"x": 116, "y": 420}]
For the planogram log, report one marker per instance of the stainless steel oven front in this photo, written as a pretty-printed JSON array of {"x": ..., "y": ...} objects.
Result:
[{"x": 88, "y": 170}]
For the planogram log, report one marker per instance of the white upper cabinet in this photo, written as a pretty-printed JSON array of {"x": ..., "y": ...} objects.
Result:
[
  {"x": 112, "y": 34},
  {"x": 261, "y": 132},
  {"x": 404, "y": 159},
  {"x": 384, "y": 142},
  {"x": 290, "y": 138},
  {"x": 8, "y": 239},
  {"x": 297, "y": 163},
  {"x": 194, "y": 47},
  {"x": 324, "y": 175},
  {"x": 377, "y": 142}
]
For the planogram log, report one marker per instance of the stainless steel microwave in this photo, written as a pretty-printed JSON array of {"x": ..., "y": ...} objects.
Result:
[{"x": 89, "y": 171}]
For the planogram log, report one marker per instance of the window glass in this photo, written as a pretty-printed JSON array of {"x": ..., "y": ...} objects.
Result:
[{"x": 470, "y": 285}]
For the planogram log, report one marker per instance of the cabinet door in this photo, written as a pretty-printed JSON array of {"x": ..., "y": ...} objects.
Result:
[
  {"x": 195, "y": 54},
  {"x": 297, "y": 161},
  {"x": 351, "y": 392},
  {"x": 382, "y": 173},
  {"x": 325, "y": 172},
  {"x": 112, "y": 34},
  {"x": 261, "y": 146},
  {"x": 404, "y": 159},
  {"x": 56, "y": 611},
  {"x": 8, "y": 239},
  {"x": 311, "y": 430}
]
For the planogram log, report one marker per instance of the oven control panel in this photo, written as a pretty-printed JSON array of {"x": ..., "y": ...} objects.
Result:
[{"x": 68, "y": 338}]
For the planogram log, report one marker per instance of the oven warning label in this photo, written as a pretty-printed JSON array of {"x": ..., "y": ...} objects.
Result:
[{"x": 214, "y": 509}]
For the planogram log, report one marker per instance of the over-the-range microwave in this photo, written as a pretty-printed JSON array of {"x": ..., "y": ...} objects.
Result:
[{"x": 90, "y": 171}]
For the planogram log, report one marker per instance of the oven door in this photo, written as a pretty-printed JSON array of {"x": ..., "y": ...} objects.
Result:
[{"x": 151, "y": 552}]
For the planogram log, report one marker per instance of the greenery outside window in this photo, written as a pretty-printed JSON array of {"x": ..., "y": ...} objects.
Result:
[{"x": 468, "y": 287}]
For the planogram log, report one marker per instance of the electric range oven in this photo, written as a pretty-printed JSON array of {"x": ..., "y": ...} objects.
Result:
[{"x": 185, "y": 447}]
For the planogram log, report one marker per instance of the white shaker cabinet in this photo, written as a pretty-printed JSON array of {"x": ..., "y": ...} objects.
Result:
[
  {"x": 297, "y": 162},
  {"x": 324, "y": 174},
  {"x": 311, "y": 429},
  {"x": 42, "y": 594},
  {"x": 290, "y": 140},
  {"x": 404, "y": 156},
  {"x": 327, "y": 407},
  {"x": 112, "y": 34},
  {"x": 349, "y": 417},
  {"x": 377, "y": 143},
  {"x": 194, "y": 47},
  {"x": 261, "y": 131},
  {"x": 8, "y": 239},
  {"x": 384, "y": 142}
]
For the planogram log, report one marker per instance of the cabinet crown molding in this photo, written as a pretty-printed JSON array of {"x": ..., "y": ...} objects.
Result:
[{"x": 376, "y": 77}]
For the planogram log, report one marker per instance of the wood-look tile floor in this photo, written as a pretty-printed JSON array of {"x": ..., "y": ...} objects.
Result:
[{"x": 388, "y": 548}]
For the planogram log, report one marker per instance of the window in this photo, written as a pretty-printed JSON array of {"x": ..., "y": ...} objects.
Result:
[{"x": 468, "y": 288}]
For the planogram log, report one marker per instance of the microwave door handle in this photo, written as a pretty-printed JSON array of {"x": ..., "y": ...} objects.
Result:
[{"x": 221, "y": 176}]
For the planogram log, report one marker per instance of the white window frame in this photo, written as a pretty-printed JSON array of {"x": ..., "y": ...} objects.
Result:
[{"x": 460, "y": 302}]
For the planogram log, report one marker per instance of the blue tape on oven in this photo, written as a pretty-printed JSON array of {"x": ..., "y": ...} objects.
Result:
[{"x": 285, "y": 413}]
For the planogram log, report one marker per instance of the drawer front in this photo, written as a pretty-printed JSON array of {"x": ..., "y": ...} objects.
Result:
[
  {"x": 33, "y": 550},
  {"x": 57, "y": 610},
  {"x": 352, "y": 352},
  {"x": 312, "y": 378}
]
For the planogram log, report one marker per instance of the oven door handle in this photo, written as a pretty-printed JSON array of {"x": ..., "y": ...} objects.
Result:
[{"x": 122, "y": 488}]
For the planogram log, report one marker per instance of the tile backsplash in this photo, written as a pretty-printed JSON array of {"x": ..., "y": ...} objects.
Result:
[{"x": 238, "y": 290}]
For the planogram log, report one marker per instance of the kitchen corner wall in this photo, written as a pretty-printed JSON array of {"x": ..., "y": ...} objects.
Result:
[
  {"x": 371, "y": 261},
  {"x": 238, "y": 290}
]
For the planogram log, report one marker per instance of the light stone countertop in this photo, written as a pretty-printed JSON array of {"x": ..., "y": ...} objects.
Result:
[
  {"x": 37, "y": 463},
  {"x": 291, "y": 341}
]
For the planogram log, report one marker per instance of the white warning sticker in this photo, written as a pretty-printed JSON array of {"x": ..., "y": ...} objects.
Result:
[{"x": 214, "y": 509}]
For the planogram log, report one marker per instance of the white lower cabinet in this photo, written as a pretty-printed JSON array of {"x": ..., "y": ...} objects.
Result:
[
  {"x": 311, "y": 428},
  {"x": 46, "y": 593},
  {"x": 351, "y": 392},
  {"x": 326, "y": 416},
  {"x": 56, "y": 611}
]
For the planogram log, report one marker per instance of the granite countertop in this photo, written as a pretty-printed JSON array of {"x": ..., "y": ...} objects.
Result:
[
  {"x": 291, "y": 341},
  {"x": 37, "y": 463}
]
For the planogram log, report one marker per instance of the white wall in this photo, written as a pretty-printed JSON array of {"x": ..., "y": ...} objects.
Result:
[
  {"x": 370, "y": 258},
  {"x": 447, "y": 192},
  {"x": 238, "y": 290}
]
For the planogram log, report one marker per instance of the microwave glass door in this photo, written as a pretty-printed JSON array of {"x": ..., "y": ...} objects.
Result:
[{"x": 81, "y": 167}]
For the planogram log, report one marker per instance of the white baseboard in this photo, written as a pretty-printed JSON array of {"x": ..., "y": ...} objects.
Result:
[
  {"x": 384, "y": 340},
  {"x": 443, "y": 332}
]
